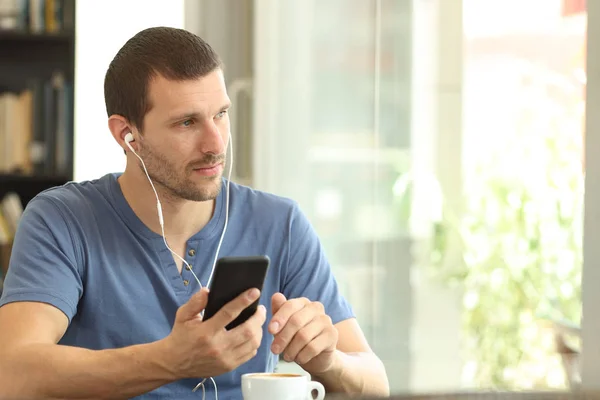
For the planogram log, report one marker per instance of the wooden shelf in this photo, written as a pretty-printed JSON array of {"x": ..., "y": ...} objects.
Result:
[
  {"x": 15, "y": 37},
  {"x": 25, "y": 55},
  {"x": 37, "y": 70},
  {"x": 10, "y": 178},
  {"x": 28, "y": 186}
]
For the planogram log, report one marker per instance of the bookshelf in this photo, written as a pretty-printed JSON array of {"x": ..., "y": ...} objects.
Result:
[{"x": 37, "y": 62}]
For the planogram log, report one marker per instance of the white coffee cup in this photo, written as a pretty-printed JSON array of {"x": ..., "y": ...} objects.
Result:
[{"x": 273, "y": 386}]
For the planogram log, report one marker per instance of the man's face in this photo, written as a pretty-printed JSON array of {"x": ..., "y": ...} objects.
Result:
[{"x": 186, "y": 134}]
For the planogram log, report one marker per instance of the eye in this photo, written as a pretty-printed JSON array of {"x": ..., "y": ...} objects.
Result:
[
  {"x": 221, "y": 114},
  {"x": 187, "y": 122}
]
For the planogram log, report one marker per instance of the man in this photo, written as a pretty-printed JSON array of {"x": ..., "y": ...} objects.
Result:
[{"x": 96, "y": 306}]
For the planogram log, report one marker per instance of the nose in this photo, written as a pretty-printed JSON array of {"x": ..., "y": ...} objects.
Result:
[{"x": 212, "y": 140}]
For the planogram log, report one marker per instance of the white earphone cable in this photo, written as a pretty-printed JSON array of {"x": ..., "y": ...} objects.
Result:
[
  {"x": 189, "y": 268},
  {"x": 212, "y": 270},
  {"x": 160, "y": 218}
]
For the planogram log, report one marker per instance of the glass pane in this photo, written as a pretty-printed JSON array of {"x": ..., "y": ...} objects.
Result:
[
  {"x": 524, "y": 102},
  {"x": 436, "y": 147}
]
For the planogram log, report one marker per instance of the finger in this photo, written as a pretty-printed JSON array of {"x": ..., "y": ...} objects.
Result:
[
  {"x": 281, "y": 317},
  {"x": 252, "y": 342},
  {"x": 295, "y": 323},
  {"x": 193, "y": 307},
  {"x": 232, "y": 310},
  {"x": 302, "y": 338},
  {"x": 277, "y": 301},
  {"x": 246, "y": 354},
  {"x": 247, "y": 331},
  {"x": 321, "y": 344}
]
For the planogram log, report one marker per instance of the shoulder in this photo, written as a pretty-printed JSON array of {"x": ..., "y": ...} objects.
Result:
[
  {"x": 74, "y": 193},
  {"x": 64, "y": 211},
  {"x": 70, "y": 199},
  {"x": 62, "y": 217},
  {"x": 262, "y": 204},
  {"x": 270, "y": 214}
]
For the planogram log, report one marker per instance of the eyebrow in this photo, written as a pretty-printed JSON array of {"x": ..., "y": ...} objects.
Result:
[{"x": 197, "y": 115}]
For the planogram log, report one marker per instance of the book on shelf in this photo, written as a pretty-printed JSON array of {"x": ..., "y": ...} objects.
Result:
[
  {"x": 37, "y": 16},
  {"x": 6, "y": 234},
  {"x": 35, "y": 128},
  {"x": 11, "y": 210},
  {"x": 6, "y": 240}
]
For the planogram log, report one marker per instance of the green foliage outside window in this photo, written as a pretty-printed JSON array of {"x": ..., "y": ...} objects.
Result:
[{"x": 519, "y": 239}]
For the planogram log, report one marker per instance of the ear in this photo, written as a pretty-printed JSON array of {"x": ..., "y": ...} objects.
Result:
[{"x": 119, "y": 127}]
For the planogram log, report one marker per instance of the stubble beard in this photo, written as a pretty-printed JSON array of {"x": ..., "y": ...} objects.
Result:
[{"x": 178, "y": 184}]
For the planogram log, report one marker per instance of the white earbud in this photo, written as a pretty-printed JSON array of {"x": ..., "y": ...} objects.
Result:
[{"x": 128, "y": 139}]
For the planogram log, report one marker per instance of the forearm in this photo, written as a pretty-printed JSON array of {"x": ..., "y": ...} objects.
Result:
[
  {"x": 49, "y": 371},
  {"x": 356, "y": 373}
]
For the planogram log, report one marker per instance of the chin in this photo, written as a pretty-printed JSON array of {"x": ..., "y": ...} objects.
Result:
[{"x": 208, "y": 191}]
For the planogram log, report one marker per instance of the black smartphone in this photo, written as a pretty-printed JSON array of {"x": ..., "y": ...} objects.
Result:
[{"x": 232, "y": 277}]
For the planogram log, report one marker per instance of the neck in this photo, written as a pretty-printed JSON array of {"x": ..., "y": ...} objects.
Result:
[{"x": 182, "y": 218}]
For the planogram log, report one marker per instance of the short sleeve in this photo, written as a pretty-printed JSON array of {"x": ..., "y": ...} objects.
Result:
[
  {"x": 43, "y": 265},
  {"x": 309, "y": 272}
]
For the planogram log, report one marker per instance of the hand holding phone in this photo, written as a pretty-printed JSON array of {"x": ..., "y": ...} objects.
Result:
[{"x": 197, "y": 348}]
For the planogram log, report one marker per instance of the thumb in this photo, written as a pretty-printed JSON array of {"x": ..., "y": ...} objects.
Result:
[
  {"x": 277, "y": 301},
  {"x": 193, "y": 307}
]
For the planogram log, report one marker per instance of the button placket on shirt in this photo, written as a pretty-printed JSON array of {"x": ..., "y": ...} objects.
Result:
[{"x": 191, "y": 252}]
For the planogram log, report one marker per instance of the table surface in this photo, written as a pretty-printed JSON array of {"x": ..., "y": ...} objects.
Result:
[{"x": 562, "y": 395}]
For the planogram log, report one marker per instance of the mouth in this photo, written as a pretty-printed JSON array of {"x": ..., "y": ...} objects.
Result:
[{"x": 210, "y": 170}]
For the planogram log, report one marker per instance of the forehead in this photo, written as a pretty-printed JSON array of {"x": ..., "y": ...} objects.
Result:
[{"x": 203, "y": 93}]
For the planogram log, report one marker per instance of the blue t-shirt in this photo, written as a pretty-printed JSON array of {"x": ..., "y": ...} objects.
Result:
[{"x": 81, "y": 248}]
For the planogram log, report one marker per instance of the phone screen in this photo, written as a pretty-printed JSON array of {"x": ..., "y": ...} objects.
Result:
[{"x": 232, "y": 277}]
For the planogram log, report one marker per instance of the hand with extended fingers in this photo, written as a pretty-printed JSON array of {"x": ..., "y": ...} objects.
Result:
[{"x": 303, "y": 333}]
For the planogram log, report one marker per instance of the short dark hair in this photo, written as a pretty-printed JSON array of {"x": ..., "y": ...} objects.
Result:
[{"x": 174, "y": 53}]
